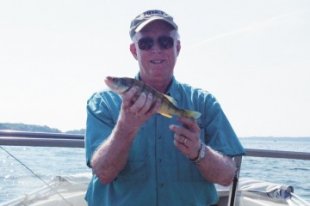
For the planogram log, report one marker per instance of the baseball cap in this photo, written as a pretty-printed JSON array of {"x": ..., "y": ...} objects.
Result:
[{"x": 138, "y": 23}]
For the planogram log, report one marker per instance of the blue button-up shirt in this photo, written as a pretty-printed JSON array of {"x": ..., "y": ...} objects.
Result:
[{"x": 157, "y": 173}]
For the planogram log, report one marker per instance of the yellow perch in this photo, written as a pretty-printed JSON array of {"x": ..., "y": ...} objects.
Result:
[{"x": 168, "y": 106}]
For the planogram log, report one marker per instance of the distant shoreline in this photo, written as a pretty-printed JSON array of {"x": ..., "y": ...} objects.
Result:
[{"x": 36, "y": 128}]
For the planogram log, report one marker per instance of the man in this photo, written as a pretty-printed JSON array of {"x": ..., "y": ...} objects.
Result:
[{"x": 139, "y": 157}]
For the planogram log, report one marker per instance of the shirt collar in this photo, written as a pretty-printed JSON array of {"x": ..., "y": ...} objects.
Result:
[{"x": 172, "y": 90}]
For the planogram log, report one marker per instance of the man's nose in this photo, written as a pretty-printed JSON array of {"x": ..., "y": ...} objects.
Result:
[{"x": 156, "y": 47}]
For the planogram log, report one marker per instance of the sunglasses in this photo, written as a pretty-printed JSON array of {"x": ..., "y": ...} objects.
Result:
[{"x": 164, "y": 42}]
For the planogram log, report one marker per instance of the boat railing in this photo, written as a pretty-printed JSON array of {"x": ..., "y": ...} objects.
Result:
[
  {"x": 20, "y": 138},
  {"x": 41, "y": 139}
]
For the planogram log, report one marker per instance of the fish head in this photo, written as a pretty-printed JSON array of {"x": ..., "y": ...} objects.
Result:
[{"x": 117, "y": 84}]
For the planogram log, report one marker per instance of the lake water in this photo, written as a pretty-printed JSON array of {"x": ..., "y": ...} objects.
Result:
[{"x": 19, "y": 176}]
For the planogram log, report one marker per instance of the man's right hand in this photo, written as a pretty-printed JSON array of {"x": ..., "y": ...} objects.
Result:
[{"x": 137, "y": 107}]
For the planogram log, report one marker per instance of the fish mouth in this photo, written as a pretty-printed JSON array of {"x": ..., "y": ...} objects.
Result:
[
  {"x": 109, "y": 81},
  {"x": 108, "y": 78}
]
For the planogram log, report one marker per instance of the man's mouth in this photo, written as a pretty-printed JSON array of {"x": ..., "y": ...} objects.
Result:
[{"x": 157, "y": 61}]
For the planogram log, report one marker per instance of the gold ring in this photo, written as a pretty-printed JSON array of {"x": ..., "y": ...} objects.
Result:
[{"x": 185, "y": 141}]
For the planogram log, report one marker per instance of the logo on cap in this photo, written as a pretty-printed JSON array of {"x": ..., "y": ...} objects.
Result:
[{"x": 138, "y": 23}]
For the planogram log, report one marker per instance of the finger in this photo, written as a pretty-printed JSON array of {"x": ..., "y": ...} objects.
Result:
[
  {"x": 186, "y": 146},
  {"x": 179, "y": 138},
  {"x": 183, "y": 140},
  {"x": 139, "y": 103},
  {"x": 192, "y": 130},
  {"x": 130, "y": 96},
  {"x": 183, "y": 148},
  {"x": 155, "y": 106},
  {"x": 186, "y": 142},
  {"x": 148, "y": 104},
  {"x": 190, "y": 124},
  {"x": 180, "y": 130}
]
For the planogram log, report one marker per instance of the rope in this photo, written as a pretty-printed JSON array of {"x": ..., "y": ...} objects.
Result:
[{"x": 36, "y": 175}]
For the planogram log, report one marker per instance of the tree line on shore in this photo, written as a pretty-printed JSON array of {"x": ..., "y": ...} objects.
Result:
[{"x": 36, "y": 128}]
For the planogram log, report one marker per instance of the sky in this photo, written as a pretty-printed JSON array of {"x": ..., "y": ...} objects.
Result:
[{"x": 253, "y": 56}]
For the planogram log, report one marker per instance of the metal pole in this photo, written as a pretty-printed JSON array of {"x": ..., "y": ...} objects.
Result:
[{"x": 233, "y": 191}]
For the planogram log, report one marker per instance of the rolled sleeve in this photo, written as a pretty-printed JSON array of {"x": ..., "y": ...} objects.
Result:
[
  {"x": 99, "y": 124},
  {"x": 219, "y": 132}
]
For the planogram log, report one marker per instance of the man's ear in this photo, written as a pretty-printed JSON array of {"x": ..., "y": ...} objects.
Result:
[
  {"x": 178, "y": 47},
  {"x": 133, "y": 50}
]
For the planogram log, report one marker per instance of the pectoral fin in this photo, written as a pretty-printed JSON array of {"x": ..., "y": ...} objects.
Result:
[
  {"x": 171, "y": 99},
  {"x": 165, "y": 114}
]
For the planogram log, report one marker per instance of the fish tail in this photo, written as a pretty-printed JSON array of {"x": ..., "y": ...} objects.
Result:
[{"x": 192, "y": 114}]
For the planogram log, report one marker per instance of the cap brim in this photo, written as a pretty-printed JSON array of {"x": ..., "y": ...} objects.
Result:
[{"x": 155, "y": 18}]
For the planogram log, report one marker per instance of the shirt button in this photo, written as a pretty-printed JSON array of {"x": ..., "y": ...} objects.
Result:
[{"x": 161, "y": 185}]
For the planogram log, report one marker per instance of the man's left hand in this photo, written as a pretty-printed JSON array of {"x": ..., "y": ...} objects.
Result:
[{"x": 186, "y": 137}]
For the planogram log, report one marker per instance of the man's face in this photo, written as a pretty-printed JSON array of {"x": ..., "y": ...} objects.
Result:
[{"x": 156, "y": 48}]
